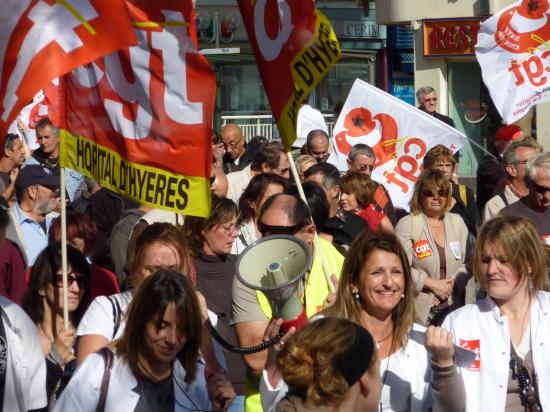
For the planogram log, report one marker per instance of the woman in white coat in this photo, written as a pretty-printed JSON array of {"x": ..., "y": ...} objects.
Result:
[
  {"x": 156, "y": 364},
  {"x": 508, "y": 330},
  {"x": 376, "y": 290}
]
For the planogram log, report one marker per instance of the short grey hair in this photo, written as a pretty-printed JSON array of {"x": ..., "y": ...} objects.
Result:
[
  {"x": 423, "y": 91},
  {"x": 536, "y": 163},
  {"x": 361, "y": 148},
  {"x": 510, "y": 157},
  {"x": 45, "y": 121}
]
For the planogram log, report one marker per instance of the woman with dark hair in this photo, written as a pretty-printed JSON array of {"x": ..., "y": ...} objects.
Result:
[
  {"x": 210, "y": 240},
  {"x": 330, "y": 365},
  {"x": 82, "y": 233},
  {"x": 376, "y": 290},
  {"x": 159, "y": 246},
  {"x": 358, "y": 197},
  {"x": 435, "y": 241},
  {"x": 44, "y": 305},
  {"x": 156, "y": 364},
  {"x": 260, "y": 188}
]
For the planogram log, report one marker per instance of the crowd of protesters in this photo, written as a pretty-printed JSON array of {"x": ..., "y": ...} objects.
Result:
[{"x": 443, "y": 307}]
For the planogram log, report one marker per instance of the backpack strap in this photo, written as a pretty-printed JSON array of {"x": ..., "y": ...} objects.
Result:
[
  {"x": 503, "y": 197},
  {"x": 108, "y": 358},
  {"x": 117, "y": 314}
]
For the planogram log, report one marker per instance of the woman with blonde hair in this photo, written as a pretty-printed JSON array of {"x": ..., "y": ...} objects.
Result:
[
  {"x": 330, "y": 365},
  {"x": 358, "y": 197},
  {"x": 508, "y": 330},
  {"x": 435, "y": 242},
  {"x": 376, "y": 291}
]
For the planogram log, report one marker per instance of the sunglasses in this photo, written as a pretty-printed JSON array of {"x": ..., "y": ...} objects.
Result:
[
  {"x": 541, "y": 190},
  {"x": 71, "y": 278},
  {"x": 438, "y": 193},
  {"x": 267, "y": 230}
]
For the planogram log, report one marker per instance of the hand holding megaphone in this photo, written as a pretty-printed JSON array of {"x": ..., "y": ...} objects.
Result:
[{"x": 272, "y": 331}]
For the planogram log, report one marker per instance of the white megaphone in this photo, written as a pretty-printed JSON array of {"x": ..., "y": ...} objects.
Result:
[{"x": 275, "y": 265}]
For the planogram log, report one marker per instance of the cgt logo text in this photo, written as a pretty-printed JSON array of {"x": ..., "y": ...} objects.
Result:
[{"x": 422, "y": 249}]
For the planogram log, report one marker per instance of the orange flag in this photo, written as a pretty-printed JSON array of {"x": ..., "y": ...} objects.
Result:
[{"x": 43, "y": 39}]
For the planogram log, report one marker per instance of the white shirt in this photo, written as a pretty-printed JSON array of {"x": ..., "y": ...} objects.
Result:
[
  {"x": 82, "y": 392},
  {"x": 246, "y": 237},
  {"x": 25, "y": 386},
  {"x": 481, "y": 328},
  {"x": 99, "y": 319},
  {"x": 237, "y": 182}
]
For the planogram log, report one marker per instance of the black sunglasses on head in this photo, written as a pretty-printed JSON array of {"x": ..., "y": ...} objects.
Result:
[{"x": 267, "y": 230}]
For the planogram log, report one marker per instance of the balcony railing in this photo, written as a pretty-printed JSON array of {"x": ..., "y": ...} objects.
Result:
[{"x": 262, "y": 124}]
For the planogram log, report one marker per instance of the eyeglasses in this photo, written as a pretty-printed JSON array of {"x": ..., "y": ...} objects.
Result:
[
  {"x": 233, "y": 144},
  {"x": 438, "y": 193},
  {"x": 362, "y": 168},
  {"x": 521, "y": 162},
  {"x": 283, "y": 171},
  {"x": 267, "y": 230},
  {"x": 431, "y": 99},
  {"x": 229, "y": 230},
  {"x": 541, "y": 190},
  {"x": 71, "y": 278}
]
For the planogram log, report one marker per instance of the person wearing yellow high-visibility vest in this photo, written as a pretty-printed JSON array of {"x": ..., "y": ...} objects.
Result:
[{"x": 281, "y": 214}]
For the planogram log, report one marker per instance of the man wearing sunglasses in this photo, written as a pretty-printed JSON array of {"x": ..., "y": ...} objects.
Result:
[
  {"x": 536, "y": 205},
  {"x": 289, "y": 215},
  {"x": 361, "y": 158},
  {"x": 36, "y": 190},
  {"x": 427, "y": 102}
]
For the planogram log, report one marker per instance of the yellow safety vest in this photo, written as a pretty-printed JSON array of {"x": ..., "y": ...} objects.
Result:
[{"x": 315, "y": 292}]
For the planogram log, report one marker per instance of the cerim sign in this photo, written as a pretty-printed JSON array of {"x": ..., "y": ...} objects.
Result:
[{"x": 362, "y": 29}]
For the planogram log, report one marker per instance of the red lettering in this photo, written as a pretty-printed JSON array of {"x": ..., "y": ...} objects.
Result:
[
  {"x": 516, "y": 69},
  {"x": 415, "y": 141},
  {"x": 450, "y": 38},
  {"x": 436, "y": 38},
  {"x": 534, "y": 74},
  {"x": 391, "y": 179}
]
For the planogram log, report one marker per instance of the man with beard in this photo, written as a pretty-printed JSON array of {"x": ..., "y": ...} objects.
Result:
[{"x": 36, "y": 189}]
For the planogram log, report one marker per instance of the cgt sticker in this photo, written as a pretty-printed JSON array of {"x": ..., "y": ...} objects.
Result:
[
  {"x": 422, "y": 249},
  {"x": 474, "y": 346}
]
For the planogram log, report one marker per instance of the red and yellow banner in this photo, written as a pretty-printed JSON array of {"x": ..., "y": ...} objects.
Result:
[
  {"x": 295, "y": 47},
  {"x": 139, "y": 120},
  {"x": 43, "y": 39}
]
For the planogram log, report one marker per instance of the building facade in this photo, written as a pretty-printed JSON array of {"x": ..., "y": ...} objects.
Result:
[{"x": 445, "y": 34}]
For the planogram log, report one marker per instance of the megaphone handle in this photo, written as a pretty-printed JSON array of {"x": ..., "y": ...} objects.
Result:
[{"x": 235, "y": 349}]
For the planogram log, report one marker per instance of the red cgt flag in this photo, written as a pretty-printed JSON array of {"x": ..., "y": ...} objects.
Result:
[
  {"x": 139, "y": 120},
  {"x": 43, "y": 39},
  {"x": 295, "y": 47}
]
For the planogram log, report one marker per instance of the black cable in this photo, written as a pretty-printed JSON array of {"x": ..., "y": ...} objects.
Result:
[{"x": 235, "y": 349}]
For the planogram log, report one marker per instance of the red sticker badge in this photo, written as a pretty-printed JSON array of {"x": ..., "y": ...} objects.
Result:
[
  {"x": 422, "y": 249},
  {"x": 474, "y": 346}
]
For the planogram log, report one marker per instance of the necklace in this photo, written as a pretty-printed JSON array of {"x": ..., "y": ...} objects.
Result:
[
  {"x": 379, "y": 342},
  {"x": 51, "y": 164}
]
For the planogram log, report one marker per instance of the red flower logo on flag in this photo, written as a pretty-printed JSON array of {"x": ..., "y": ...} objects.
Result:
[{"x": 360, "y": 127}]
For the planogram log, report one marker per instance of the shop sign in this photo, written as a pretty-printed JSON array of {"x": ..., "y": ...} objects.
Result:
[
  {"x": 362, "y": 29},
  {"x": 450, "y": 37}
]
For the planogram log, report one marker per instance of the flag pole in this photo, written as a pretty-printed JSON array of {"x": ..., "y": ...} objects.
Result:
[
  {"x": 64, "y": 248},
  {"x": 316, "y": 242}
]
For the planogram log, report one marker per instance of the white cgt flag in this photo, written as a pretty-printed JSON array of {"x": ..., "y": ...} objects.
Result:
[
  {"x": 399, "y": 134},
  {"x": 513, "y": 51}
]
